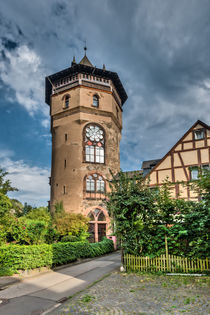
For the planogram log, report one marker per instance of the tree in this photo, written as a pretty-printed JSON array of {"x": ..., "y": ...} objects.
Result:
[
  {"x": 150, "y": 222},
  {"x": 5, "y": 206},
  {"x": 5, "y": 184},
  {"x": 70, "y": 224},
  {"x": 202, "y": 185},
  {"x": 17, "y": 207},
  {"x": 131, "y": 205},
  {"x": 41, "y": 214},
  {"x": 26, "y": 208}
]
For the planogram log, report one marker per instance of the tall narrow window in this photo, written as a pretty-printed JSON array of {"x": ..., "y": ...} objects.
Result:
[
  {"x": 66, "y": 137},
  {"x": 64, "y": 190},
  {"x": 194, "y": 172},
  {"x": 66, "y": 100},
  {"x": 100, "y": 186},
  {"x": 117, "y": 112},
  {"x": 90, "y": 184},
  {"x": 64, "y": 163},
  {"x": 94, "y": 144},
  {"x": 95, "y": 100}
]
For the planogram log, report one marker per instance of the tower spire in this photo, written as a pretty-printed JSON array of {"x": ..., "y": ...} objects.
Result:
[
  {"x": 85, "y": 48},
  {"x": 85, "y": 61}
]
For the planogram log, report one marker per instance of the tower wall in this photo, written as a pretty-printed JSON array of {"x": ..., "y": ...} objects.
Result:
[
  {"x": 71, "y": 122},
  {"x": 86, "y": 122}
]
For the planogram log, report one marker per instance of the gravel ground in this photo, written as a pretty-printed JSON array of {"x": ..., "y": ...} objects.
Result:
[{"x": 141, "y": 294}]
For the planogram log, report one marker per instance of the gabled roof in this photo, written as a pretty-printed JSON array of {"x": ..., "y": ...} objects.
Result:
[
  {"x": 149, "y": 163},
  {"x": 198, "y": 122},
  {"x": 130, "y": 174}
]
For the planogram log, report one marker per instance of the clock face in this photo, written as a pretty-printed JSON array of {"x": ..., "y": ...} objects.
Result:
[{"x": 94, "y": 133}]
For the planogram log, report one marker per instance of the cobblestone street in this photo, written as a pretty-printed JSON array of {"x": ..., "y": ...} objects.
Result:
[{"x": 141, "y": 294}]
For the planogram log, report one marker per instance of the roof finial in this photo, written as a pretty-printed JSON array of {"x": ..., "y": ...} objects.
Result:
[
  {"x": 85, "y": 48},
  {"x": 73, "y": 61}
]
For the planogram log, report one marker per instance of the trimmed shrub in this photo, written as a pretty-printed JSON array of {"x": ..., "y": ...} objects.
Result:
[
  {"x": 24, "y": 257},
  {"x": 63, "y": 253},
  {"x": 70, "y": 238}
]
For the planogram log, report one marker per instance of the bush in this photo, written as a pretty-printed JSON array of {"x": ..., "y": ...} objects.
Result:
[
  {"x": 15, "y": 257},
  {"x": 70, "y": 238},
  {"x": 25, "y": 257},
  {"x": 39, "y": 214},
  {"x": 63, "y": 253},
  {"x": 70, "y": 223},
  {"x": 26, "y": 231}
]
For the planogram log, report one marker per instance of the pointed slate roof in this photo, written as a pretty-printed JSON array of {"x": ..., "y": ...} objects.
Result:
[{"x": 86, "y": 62}]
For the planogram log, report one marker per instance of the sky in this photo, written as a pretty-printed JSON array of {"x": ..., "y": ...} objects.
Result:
[{"x": 159, "y": 48}]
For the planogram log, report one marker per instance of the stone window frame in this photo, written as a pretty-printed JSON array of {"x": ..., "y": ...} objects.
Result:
[
  {"x": 95, "y": 103},
  {"x": 88, "y": 194},
  {"x": 66, "y": 101},
  {"x": 85, "y": 143}
]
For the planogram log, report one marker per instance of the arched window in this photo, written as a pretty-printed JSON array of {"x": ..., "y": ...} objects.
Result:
[
  {"x": 94, "y": 143},
  {"x": 95, "y": 100},
  {"x": 101, "y": 217},
  {"x": 91, "y": 216},
  {"x": 66, "y": 100},
  {"x": 97, "y": 225},
  {"x": 95, "y": 187}
]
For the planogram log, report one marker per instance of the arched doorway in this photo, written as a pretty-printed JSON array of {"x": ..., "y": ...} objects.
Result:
[{"x": 97, "y": 225}]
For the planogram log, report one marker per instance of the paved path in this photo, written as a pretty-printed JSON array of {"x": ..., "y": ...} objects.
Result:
[
  {"x": 129, "y": 294},
  {"x": 35, "y": 295}
]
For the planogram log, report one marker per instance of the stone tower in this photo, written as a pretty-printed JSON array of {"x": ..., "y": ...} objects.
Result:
[{"x": 86, "y": 122}]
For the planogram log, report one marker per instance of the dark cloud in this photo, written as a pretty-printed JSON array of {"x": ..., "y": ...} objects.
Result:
[
  {"x": 59, "y": 8},
  {"x": 160, "y": 49},
  {"x": 9, "y": 44}
]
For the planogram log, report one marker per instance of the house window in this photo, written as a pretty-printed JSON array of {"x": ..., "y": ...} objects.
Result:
[
  {"x": 94, "y": 143},
  {"x": 194, "y": 173},
  {"x": 64, "y": 190},
  {"x": 64, "y": 163},
  {"x": 94, "y": 186},
  {"x": 199, "y": 134},
  {"x": 66, "y": 137},
  {"x": 95, "y": 100},
  {"x": 66, "y": 101},
  {"x": 205, "y": 168}
]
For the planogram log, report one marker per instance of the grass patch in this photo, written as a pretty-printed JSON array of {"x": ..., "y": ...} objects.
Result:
[
  {"x": 187, "y": 301},
  {"x": 87, "y": 298}
]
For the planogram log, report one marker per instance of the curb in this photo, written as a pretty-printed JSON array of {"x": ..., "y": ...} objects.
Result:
[{"x": 19, "y": 278}]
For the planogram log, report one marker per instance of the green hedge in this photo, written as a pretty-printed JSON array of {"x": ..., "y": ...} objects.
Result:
[{"x": 22, "y": 257}]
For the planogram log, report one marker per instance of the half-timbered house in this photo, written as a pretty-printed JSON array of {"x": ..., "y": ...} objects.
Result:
[{"x": 182, "y": 163}]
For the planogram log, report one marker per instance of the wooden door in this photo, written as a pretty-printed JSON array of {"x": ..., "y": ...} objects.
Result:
[
  {"x": 101, "y": 231},
  {"x": 91, "y": 230}
]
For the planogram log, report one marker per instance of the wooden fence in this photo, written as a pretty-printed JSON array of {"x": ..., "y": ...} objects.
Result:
[{"x": 168, "y": 264}]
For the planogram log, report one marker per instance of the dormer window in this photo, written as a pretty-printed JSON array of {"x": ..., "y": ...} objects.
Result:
[
  {"x": 199, "y": 134},
  {"x": 95, "y": 100}
]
